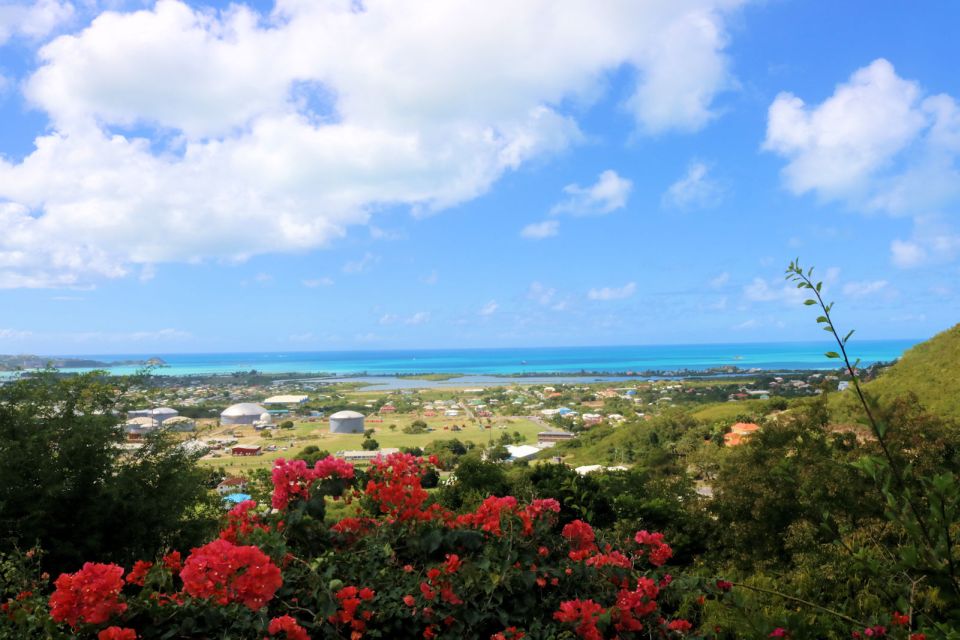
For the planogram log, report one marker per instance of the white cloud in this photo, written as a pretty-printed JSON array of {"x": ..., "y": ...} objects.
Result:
[
  {"x": 489, "y": 309},
  {"x": 607, "y": 194},
  {"x": 761, "y": 290},
  {"x": 14, "y": 334},
  {"x": 752, "y": 323},
  {"x": 865, "y": 288},
  {"x": 695, "y": 190},
  {"x": 541, "y": 294},
  {"x": 34, "y": 20},
  {"x": 431, "y": 278},
  {"x": 613, "y": 293},
  {"x": 420, "y": 317},
  {"x": 933, "y": 242},
  {"x": 361, "y": 265},
  {"x": 720, "y": 280},
  {"x": 313, "y": 283},
  {"x": 877, "y": 143},
  {"x": 272, "y": 133},
  {"x": 540, "y": 230}
]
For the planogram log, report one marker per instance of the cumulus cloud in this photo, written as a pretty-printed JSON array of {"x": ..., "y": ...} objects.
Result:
[
  {"x": 181, "y": 134},
  {"x": 489, "y": 309},
  {"x": 14, "y": 334},
  {"x": 540, "y": 230},
  {"x": 33, "y": 20},
  {"x": 613, "y": 293},
  {"x": 607, "y": 194},
  {"x": 719, "y": 280},
  {"x": 695, "y": 190},
  {"x": 361, "y": 265},
  {"x": 313, "y": 283},
  {"x": 878, "y": 143},
  {"x": 864, "y": 288}
]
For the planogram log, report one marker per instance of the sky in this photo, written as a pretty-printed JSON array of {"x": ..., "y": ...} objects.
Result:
[{"x": 346, "y": 174}]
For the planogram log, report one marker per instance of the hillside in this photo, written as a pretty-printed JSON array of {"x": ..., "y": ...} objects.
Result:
[{"x": 931, "y": 370}]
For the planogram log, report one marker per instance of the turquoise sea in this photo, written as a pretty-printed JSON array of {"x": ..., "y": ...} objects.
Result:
[{"x": 571, "y": 360}]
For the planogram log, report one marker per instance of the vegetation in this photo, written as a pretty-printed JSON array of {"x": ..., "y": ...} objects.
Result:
[
  {"x": 812, "y": 527},
  {"x": 67, "y": 486}
]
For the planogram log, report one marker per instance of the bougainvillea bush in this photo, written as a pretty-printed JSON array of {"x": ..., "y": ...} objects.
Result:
[{"x": 400, "y": 566}]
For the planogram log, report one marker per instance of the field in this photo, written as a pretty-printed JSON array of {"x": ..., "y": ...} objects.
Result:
[{"x": 291, "y": 441}]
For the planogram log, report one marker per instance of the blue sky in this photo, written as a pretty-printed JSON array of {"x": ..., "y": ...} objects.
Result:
[{"x": 314, "y": 176}]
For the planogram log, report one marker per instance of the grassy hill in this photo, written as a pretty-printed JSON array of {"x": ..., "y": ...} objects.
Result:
[{"x": 931, "y": 370}]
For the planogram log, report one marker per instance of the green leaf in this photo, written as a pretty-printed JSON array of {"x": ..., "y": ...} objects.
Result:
[
  {"x": 832, "y": 354},
  {"x": 819, "y": 284},
  {"x": 847, "y": 337},
  {"x": 809, "y": 302},
  {"x": 823, "y": 319}
]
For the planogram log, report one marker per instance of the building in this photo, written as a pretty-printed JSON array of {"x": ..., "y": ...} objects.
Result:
[
  {"x": 346, "y": 422},
  {"x": 160, "y": 414},
  {"x": 243, "y": 413},
  {"x": 180, "y": 423},
  {"x": 363, "y": 455},
  {"x": 232, "y": 485},
  {"x": 522, "y": 451},
  {"x": 286, "y": 400},
  {"x": 554, "y": 436},
  {"x": 739, "y": 433},
  {"x": 246, "y": 450}
]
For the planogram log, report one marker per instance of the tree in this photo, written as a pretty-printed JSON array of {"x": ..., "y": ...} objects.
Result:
[
  {"x": 369, "y": 444},
  {"x": 286, "y": 424},
  {"x": 67, "y": 486}
]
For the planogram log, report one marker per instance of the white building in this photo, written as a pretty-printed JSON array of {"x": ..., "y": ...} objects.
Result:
[
  {"x": 346, "y": 422},
  {"x": 242, "y": 413}
]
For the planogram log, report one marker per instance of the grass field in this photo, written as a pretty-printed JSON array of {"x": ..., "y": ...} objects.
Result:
[{"x": 290, "y": 441}]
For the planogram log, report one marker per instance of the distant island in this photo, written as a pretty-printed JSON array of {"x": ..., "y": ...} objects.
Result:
[{"x": 26, "y": 361}]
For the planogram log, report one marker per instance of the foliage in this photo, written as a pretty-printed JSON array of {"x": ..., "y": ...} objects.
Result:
[
  {"x": 64, "y": 475},
  {"x": 400, "y": 566}
]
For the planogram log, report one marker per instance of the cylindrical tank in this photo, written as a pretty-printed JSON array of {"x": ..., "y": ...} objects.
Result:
[{"x": 346, "y": 422}]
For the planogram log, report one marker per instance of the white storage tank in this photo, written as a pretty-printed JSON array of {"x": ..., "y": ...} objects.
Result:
[
  {"x": 243, "y": 413},
  {"x": 346, "y": 422}
]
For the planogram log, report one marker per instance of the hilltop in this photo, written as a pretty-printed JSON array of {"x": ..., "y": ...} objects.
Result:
[{"x": 931, "y": 370}]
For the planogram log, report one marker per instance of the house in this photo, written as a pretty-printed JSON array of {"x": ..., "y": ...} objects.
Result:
[
  {"x": 739, "y": 433},
  {"x": 362, "y": 455},
  {"x": 522, "y": 451},
  {"x": 230, "y": 485},
  {"x": 246, "y": 450},
  {"x": 554, "y": 436}
]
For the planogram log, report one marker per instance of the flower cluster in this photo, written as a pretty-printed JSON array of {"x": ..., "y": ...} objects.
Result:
[
  {"x": 289, "y": 626},
  {"x": 658, "y": 551},
  {"x": 117, "y": 633},
  {"x": 224, "y": 572},
  {"x": 349, "y": 600},
  {"x": 583, "y": 614},
  {"x": 91, "y": 595},
  {"x": 242, "y": 520},
  {"x": 396, "y": 490},
  {"x": 292, "y": 478},
  {"x": 489, "y": 515},
  {"x": 581, "y": 537}
]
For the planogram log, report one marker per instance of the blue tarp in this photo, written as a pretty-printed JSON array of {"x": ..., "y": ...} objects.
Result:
[{"x": 237, "y": 498}]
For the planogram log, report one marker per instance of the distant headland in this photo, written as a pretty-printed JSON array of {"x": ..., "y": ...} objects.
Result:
[{"x": 28, "y": 361}]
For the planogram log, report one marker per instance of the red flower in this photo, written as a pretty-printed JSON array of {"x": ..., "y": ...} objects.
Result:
[
  {"x": 723, "y": 585},
  {"x": 409, "y": 600},
  {"x": 899, "y": 619},
  {"x": 679, "y": 625},
  {"x": 292, "y": 479},
  {"x": 289, "y": 626},
  {"x": 139, "y": 572},
  {"x": 510, "y": 633},
  {"x": 225, "y": 572},
  {"x": 173, "y": 561},
  {"x": 779, "y": 632},
  {"x": 91, "y": 595},
  {"x": 582, "y": 613},
  {"x": 453, "y": 563},
  {"x": 117, "y": 633},
  {"x": 242, "y": 520},
  {"x": 659, "y": 551}
]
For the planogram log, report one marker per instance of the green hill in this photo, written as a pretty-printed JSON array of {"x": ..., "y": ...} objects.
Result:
[{"x": 931, "y": 370}]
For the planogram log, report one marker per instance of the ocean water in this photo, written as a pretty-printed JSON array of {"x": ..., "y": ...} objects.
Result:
[{"x": 572, "y": 360}]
